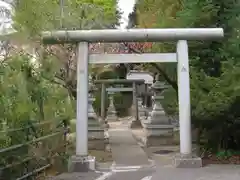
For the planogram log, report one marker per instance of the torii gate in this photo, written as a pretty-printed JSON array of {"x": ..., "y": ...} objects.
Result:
[{"x": 84, "y": 37}]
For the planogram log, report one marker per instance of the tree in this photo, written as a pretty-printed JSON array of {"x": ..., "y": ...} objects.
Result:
[
  {"x": 25, "y": 93},
  {"x": 155, "y": 14},
  {"x": 34, "y": 16},
  {"x": 28, "y": 99},
  {"x": 37, "y": 90},
  {"x": 213, "y": 13},
  {"x": 214, "y": 66},
  {"x": 58, "y": 62}
]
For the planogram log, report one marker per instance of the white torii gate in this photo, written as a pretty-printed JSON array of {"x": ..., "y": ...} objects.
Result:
[{"x": 84, "y": 37}]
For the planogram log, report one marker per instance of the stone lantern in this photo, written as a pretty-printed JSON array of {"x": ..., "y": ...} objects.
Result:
[
  {"x": 158, "y": 114},
  {"x": 92, "y": 116},
  {"x": 141, "y": 109},
  {"x": 111, "y": 113},
  {"x": 95, "y": 128},
  {"x": 158, "y": 127}
]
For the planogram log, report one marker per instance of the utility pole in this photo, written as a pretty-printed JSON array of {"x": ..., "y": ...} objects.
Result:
[{"x": 61, "y": 13}]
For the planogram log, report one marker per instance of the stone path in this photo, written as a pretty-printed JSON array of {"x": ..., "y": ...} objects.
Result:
[
  {"x": 77, "y": 176},
  {"x": 123, "y": 142},
  {"x": 125, "y": 150},
  {"x": 132, "y": 163},
  {"x": 211, "y": 172}
]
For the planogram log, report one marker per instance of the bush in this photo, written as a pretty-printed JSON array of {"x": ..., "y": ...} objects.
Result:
[
  {"x": 215, "y": 111},
  {"x": 122, "y": 102},
  {"x": 27, "y": 98},
  {"x": 170, "y": 101},
  {"x": 97, "y": 102},
  {"x": 108, "y": 74}
]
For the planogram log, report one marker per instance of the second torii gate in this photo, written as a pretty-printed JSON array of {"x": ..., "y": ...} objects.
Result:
[
  {"x": 115, "y": 82},
  {"x": 84, "y": 37}
]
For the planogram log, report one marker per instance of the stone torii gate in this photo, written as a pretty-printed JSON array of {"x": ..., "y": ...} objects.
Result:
[
  {"x": 81, "y": 161},
  {"x": 115, "y": 82}
]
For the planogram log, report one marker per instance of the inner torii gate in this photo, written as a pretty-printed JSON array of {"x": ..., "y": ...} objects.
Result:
[{"x": 84, "y": 37}]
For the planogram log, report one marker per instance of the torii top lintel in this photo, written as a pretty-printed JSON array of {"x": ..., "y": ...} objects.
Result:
[
  {"x": 131, "y": 35},
  {"x": 119, "y": 81}
]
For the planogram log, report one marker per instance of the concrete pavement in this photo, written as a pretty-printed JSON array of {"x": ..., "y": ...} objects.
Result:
[
  {"x": 77, "y": 176},
  {"x": 129, "y": 155},
  {"x": 125, "y": 150},
  {"x": 211, "y": 172},
  {"x": 127, "y": 174},
  {"x": 132, "y": 163}
]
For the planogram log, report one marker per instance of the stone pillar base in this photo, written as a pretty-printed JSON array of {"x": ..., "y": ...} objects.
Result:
[
  {"x": 187, "y": 161},
  {"x": 136, "y": 124},
  {"x": 151, "y": 141},
  {"x": 157, "y": 135},
  {"x": 81, "y": 164}
]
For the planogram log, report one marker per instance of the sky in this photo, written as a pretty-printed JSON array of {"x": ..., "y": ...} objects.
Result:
[
  {"x": 127, "y": 7},
  {"x": 5, "y": 20}
]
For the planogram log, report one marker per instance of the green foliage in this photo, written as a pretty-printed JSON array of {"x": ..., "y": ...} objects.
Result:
[
  {"x": 214, "y": 65},
  {"x": 212, "y": 13},
  {"x": 226, "y": 154},
  {"x": 170, "y": 103},
  {"x": 108, "y": 74},
  {"x": 58, "y": 61},
  {"x": 97, "y": 102},
  {"x": 215, "y": 72},
  {"x": 33, "y": 16},
  {"x": 214, "y": 110},
  {"x": 15, "y": 101},
  {"x": 24, "y": 92},
  {"x": 27, "y": 98},
  {"x": 45, "y": 90},
  {"x": 122, "y": 102}
]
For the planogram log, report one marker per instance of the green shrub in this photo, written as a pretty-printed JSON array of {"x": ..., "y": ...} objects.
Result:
[
  {"x": 108, "y": 74},
  {"x": 122, "y": 102},
  {"x": 170, "y": 103},
  {"x": 97, "y": 102}
]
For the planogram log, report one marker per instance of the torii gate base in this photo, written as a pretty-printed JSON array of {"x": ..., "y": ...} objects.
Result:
[{"x": 81, "y": 161}]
